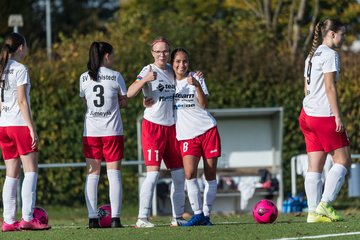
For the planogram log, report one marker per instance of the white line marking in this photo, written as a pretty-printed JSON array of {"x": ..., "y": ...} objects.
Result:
[{"x": 320, "y": 236}]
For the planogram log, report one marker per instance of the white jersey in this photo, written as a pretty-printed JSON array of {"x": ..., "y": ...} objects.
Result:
[
  {"x": 325, "y": 60},
  {"x": 15, "y": 74},
  {"x": 161, "y": 91},
  {"x": 103, "y": 116},
  {"x": 191, "y": 119}
]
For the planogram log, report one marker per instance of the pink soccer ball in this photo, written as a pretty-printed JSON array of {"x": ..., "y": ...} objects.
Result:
[
  {"x": 104, "y": 213},
  {"x": 265, "y": 211},
  {"x": 41, "y": 215}
]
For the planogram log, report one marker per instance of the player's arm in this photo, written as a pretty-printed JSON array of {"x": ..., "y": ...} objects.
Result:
[
  {"x": 202, "y": 98},
  {"x": 25, "y": 111},
  {"x": 305, "y": 82},
  {"x": 139, "y": 83},
  {"x": 331, "y": 94}
]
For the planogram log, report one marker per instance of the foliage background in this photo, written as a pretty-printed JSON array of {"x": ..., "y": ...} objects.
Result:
[{"x": 247, "y": 64}]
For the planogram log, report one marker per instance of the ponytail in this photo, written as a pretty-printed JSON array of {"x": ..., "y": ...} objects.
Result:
[
  {"x": 11, "y": 44},
  {"x": 97, "y": 52}
]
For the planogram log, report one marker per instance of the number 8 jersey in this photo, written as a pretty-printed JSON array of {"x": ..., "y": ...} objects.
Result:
[{"x": 103, "y": 117}]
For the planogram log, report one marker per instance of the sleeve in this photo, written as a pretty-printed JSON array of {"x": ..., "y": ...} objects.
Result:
[
  {"x": 82, "y": 93},
  {"x": 331, "y": 63},
  {"x": 143, "y": 73},
  {"x": 122, "y": 85},
  {"x": 22, "y": 77}
]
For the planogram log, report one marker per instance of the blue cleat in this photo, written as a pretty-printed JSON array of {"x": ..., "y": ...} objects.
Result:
[
  {"x": 207, "y": 221},
  {"x": 196, "y": 220}
]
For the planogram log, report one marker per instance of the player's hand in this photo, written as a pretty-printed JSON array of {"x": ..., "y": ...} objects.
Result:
[
  {"x": 34, "y": 138},
  {"x": 148, "y": 102},
  {"x": 339, "y": 125},
  {"x": 199, "y": 74},
  {"x": 192, "y": 81},
  {"x": 151, "y": 76},
  {"x": 123, "y": 101}
]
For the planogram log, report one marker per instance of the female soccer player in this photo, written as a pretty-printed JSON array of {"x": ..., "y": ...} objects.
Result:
[
  {"x": 104, "y": 93},
  {"x": 18, "y": 137},
  {"x": 158, "y": 136},
  {"x": 321, "y": 122},
  {"x": 198, "y": 136}
]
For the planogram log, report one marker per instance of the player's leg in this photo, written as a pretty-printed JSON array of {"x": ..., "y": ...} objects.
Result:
[
  {"x": 314, "y": 185},
  {"x": 93, "y": 155},
  {"x": 9, "y": 195},
  {"x": 211, "y": 148},
  {"x": 113, "y": 154},
  {"x": 334, "y": 181}
]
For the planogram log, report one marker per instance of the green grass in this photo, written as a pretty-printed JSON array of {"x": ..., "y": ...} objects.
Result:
[{"x": 71, "y": 223}]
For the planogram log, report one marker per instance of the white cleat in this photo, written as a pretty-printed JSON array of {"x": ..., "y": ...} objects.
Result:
[{"x": 143, "y": 223}]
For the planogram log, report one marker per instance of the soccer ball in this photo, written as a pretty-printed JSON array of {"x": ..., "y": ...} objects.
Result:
[
  {"x": 41, "y": 215},
  {"x": 104, "y": 213},
  {"x": 265, "y": 211}
]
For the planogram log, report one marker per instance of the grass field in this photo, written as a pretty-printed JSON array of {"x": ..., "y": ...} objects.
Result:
[{"x": 71, "y": 223}]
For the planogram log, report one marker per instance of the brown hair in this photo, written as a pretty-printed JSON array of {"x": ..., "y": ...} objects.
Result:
[
  {"x": 321, "y": 29},
  {"x": 97, "y": 52},
  {"x": 11, "y": 44},
  {"x": 160, "y": 39}
]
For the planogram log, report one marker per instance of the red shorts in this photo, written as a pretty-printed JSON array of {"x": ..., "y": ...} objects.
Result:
[
  {"x": 15, "y": 141},
  {"x": 206, "y": 145},
  {"x": 159, "y": 143},
  {"x": 109, "y": 148},
  {"x": 320, "y": 133}
]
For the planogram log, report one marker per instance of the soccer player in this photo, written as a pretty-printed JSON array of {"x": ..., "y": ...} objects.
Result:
[
  {"x": 18, "y": 137},
  {"x": 104, "y": 93},
  {"x": 158, "y": 136},
  {"x": 198, "y": 135},
  {"x": 321, "y": 122}
]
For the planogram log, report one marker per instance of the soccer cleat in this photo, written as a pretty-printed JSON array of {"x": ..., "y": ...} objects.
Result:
[
  {"x": 179, "y": 221},
  {"x": 10, "y": 227},
  {"x": 313, "y": 217},
  {"x": 94, "y": 223},
  {"x": 116, "y": 223},
  {"x": 143, "y": 223},
  {"x": 196, "y": 220},
  {"x": 207, "y": 221},
  {"x": 34, "y": 224},
  {"x": 325, "y": 209}
]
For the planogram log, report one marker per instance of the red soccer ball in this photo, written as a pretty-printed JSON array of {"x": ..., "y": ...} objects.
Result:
[
  {"x": 104, "y": 213},
  {"x": 265, "y": 211},
  {"x": 41, "y": 215}
]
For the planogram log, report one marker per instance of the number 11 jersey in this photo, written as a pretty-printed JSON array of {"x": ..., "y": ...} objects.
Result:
[{"x": 103, "y": 117}]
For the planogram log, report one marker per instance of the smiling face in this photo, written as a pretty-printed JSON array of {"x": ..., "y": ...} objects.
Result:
[
  {"x": 339, "y": 37},
  {"x": 160, "y": 52},
  {"x": 180, "y": 64}
]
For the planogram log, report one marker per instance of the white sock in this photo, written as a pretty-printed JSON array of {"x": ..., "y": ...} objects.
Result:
[
  {"x": 313, "y": 189},
  {"x": 146, "y": 194},
  {"x": 28, "y": 195},
  {"x": 9, "y": 199},
  {"x": 91, "y": 187},
  {"x": 115, "y": 192},
  {"x": 333, "y": 183},
  {"x": 177, "y": 193},
  {"x": 194, "y": 195},
  {"x": 209, "y": 196}
]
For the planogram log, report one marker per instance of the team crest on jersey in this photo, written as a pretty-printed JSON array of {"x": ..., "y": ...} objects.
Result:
[{"x": 160, "y": 87}]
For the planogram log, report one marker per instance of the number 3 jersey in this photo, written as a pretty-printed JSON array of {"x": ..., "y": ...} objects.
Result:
[
  {"x": 103, "y": 117},
  {"x": 191, "y": 119}
]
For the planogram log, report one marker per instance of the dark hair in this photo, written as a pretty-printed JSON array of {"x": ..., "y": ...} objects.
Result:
[
  {"x": 11, "y": 44},
  {"x": 175, "y": 51},
  {"x": 321, "y": 29},
  {"x": 160, "y": 39},
  {"x": 97, "y": 52}
]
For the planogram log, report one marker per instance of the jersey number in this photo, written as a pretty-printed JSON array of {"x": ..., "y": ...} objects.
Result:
[
  {"x": 156, "y": 155},
  {"x": 99, "y": 89}
]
